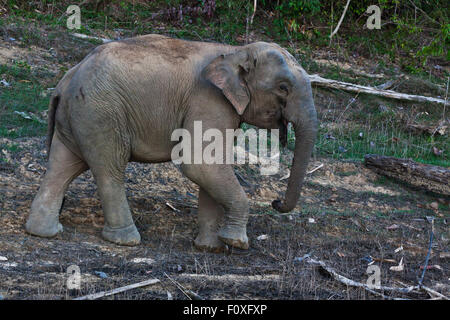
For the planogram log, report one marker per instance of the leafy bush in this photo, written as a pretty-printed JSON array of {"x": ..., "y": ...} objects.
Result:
[{"x": 297, "y": 8}]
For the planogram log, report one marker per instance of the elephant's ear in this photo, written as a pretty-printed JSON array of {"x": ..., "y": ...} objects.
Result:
[{"x": 227, "y": 73}]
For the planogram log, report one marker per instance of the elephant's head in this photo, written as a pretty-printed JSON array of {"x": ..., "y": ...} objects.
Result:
[{"x": 269, "y": 89}]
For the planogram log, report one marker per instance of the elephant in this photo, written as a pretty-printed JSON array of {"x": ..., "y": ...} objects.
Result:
[{"x": 124, "y": 99}]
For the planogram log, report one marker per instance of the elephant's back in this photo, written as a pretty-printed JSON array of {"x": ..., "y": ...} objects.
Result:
[{"x": 154, "y": 52}]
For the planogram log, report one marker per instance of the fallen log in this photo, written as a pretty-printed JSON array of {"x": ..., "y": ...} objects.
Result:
[
  {"x": 429, "y": 177},
  {"x": 334, "y": 84},
  {"x": 429, "y": 130}
]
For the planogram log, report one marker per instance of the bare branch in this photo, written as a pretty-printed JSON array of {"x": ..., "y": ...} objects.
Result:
[
  {"x": 340, "y": 20},
  {"x": 118, "y": 290},
  {"x": 352, "y": 283},
  {"x": 322, "y": 82},
  {"x": 254, "y": 11}
]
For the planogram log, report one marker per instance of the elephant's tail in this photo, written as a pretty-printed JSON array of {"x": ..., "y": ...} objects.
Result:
[{"x": 54, "y": 101}]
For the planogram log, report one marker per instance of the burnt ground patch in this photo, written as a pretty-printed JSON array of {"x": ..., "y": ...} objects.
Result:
[{"x": 346, "y": 215}]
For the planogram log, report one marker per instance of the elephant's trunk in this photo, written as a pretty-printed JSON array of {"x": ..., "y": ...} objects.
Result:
[{"x": 300, "y": 111}]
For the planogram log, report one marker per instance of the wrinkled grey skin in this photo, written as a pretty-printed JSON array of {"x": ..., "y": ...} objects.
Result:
[{"x": 122, "y": 103}]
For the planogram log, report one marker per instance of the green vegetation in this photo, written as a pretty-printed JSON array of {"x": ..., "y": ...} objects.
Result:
[
  {"x": 24, "y": 95},
  {"x": 411, "y": 49},
  {"x": 414, "y": 33},
  {"x": 384, "y": 139}
]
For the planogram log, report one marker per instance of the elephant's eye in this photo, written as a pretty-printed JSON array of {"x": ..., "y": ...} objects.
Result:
[{"x": 284, "y": 88}]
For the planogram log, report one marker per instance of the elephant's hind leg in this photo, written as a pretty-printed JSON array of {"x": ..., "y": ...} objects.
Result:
[
  {"x": 210, "y": 215},
  {"x": 119, "y": 226},
  {"x": 63, "y": 167},
  {"x": 107, "y": 162},
  {"x": 106, "y": 149}
]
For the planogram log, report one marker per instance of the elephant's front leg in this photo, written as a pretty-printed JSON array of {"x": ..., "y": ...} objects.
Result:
[
  {"x": 210, "y": 216},
  {"x": 221, "y": 184}
]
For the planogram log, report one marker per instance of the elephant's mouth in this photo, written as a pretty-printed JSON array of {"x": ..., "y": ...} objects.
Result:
[{"x": 283, "y": 125}]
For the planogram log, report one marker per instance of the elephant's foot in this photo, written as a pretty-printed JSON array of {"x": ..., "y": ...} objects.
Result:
[
  {"x": 127, "y": 236},
  {"x": 210, "y": 243},
  {"x": 43, "y": 225},
  {"x": 234, "y": 236}
]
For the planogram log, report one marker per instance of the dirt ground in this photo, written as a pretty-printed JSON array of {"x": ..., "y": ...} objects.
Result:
[{"x": 347, "y": 216}]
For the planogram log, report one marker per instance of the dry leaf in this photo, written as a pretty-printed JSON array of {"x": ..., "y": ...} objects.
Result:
[
  {"x": 437, "y": 152},
  {"x": 434, "y": 205},
  {"x": 399, "y": 267},
  {"x": 262, "y": 237}
]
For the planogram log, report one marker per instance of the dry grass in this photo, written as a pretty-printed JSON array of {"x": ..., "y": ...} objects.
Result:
[{"x": 351, "y": 210}]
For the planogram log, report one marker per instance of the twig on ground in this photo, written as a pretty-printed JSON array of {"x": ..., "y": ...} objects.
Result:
[
  {"x": 233, "y": 277},
  {"x": 184, "y": 204},
  {"x": 194, "y": 296},
  {"x": 384, "y": 296},
  {"x": 118, "y": 290},
  {"x": 434, "y": 293},
  {"x": 287, "y": 175},
  {"x": 428, "y": 253},
  {"x": 352, "y": 283},
  {"x": 315, "y": 169},
  {"x": 188, "y": 293},
  {"x": 172, "y": 207}
]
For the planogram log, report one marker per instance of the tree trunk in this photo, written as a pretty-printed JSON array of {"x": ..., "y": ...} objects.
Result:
[{"x": 429, "y": 177}]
